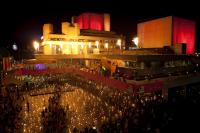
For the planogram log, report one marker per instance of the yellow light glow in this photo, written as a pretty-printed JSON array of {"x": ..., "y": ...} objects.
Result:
[
  {"x": 106, "y": 45},
  {"x": 61, "y": 45},
  {"x": 43, "y": 43},
  {"x": 119, "y": 43},
  {"x": 50, "y": 45},
  {"x": 97, "y": 44},
  {"x": 82, "y": 45},
  {"x": 36, "y": 45},
  {"x": 89, "y": 44}
]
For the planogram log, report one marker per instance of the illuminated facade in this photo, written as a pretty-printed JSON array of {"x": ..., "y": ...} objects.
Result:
[
  {"x": 87, "y": 42},
  {"x": 167, "y": 31},
  {"x": 93, "y": 21},
  {"x": 90, "y": 35}
]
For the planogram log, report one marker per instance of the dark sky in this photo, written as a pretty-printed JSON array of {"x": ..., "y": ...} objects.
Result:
[{"x": 22, "y": 21}]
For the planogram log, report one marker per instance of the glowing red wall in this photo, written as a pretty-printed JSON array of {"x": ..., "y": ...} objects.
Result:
[
  {"x": 184, "y": 32},
  {"x": 91, "y": 21}
]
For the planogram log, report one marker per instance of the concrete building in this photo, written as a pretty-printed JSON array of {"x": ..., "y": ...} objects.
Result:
[
  {"x": 88, "y": 42},
  {"x": 90, "y": 35},
  {"x": 168, "y": 31}
]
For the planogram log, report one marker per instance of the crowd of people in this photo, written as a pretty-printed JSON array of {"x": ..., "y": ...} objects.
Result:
[
  {"x": 54, "y": 118},
  {"x": 69, "y": 103},
  {"x": 10, "y": 111}
]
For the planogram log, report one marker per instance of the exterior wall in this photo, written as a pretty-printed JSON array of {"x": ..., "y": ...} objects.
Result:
[
  {"x": 91, "y": 21},
  {"x": 155, "y": 33},
  {"x": 47, "y": 29},
  {"x": 66, "y": 49},
  {"x": 77, "y": 29},
  {"x": 96, "y": 51},
  {"x": 70, "y": 30},
  {"x": 106, "y": 22},
  {"x": 184, "y": 32},
  {"x": 47, "y": 50},
  {"x": 71, "y": 42},
  {"x": 80, "y": 43},
  {"x": 75, "y": 49},
  {"x": 64, "y": 27},
  {"x": 167, "y": 31}
]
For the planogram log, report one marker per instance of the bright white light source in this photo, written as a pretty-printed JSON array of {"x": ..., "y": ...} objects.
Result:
[
  {"x": 50, "y": 45},
  {"x": 119, "y": 43},
  {"x": 14, "y": 47},
  {"x": 89, "y": 44},
  {"x": 136, "y": 41},
  {"x": 36, "y": 45}
]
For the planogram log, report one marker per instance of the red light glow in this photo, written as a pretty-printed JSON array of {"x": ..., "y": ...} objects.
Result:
[
  {"x": 184, "y": 32},
  {"x": 91, "y": 21}
]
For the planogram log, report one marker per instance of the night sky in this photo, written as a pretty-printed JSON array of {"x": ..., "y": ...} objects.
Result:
[{"x": 22, "y": 22}]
